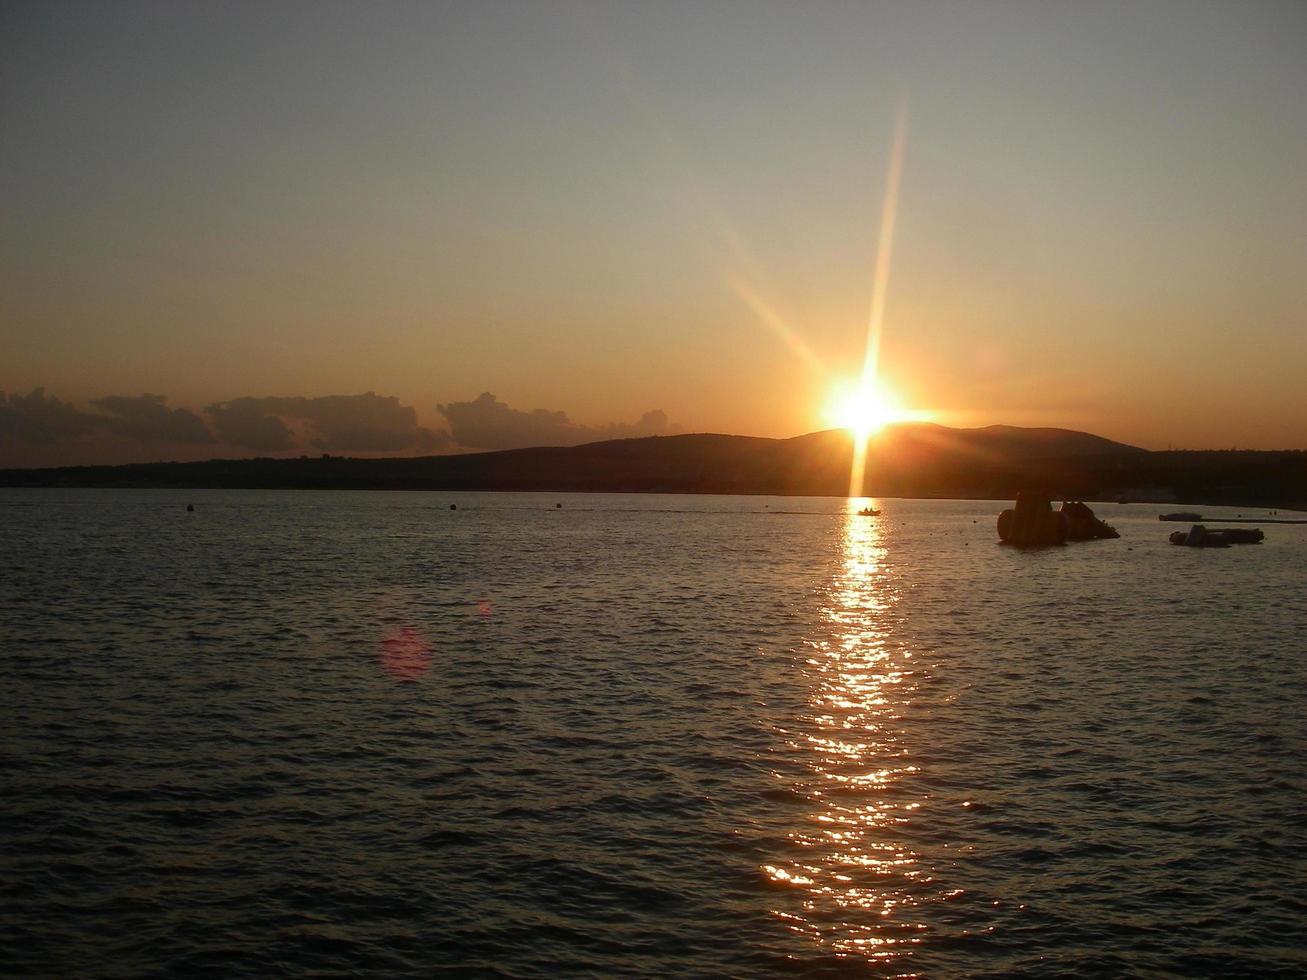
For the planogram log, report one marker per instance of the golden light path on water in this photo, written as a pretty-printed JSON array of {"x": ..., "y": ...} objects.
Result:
[{"x": 855, "y": 875}]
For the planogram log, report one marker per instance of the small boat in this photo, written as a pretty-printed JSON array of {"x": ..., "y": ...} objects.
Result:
[
  {"x": 869, "y": 512},
  {"x": 1243, "y": 535},
  {"x": 1182, "y": 515}
]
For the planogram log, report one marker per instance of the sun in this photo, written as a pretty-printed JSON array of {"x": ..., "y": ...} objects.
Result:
[{"x": 866, "y": 408}]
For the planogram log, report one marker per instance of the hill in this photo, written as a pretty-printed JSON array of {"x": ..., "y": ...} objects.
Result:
[{"x": 914, "y": 460}]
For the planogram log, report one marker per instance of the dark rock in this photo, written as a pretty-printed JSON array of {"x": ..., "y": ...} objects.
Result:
[
  {"x": 1082, "y": 525},
  {"x": 1032, "y": 523}
]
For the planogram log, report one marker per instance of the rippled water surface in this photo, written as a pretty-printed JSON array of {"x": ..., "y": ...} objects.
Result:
[{"x": 641, "y": 735}]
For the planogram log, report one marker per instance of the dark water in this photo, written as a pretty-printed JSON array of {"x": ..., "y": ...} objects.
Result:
[{"x": 641, "y": 735}]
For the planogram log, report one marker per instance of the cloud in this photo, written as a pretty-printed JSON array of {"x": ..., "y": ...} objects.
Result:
[
  {"x": 431, "y": 440},
  {"x": 246, "y": 422},
  {"x": 366, "y": 423},
  {"x": 488, "y": 423},
  {"x": 41, "y": 419},
  {"x": 360, "y": 423},
  {"x": 148, "y": 417}
]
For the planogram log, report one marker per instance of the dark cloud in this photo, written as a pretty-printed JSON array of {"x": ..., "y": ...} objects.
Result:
[
  {"x": 488, "y": 423},
  {"x": 366, "y": 423},
  {"x": 149, "y": 417},
  {"x": 433, "y": 440},
  {"x": 359, "y": 423},
  {"x": 246, "y": 422},
  {"x": 41, "y": 419}
]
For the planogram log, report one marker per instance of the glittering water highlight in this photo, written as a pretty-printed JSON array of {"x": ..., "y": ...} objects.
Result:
[{"x": 848, "y": 860}]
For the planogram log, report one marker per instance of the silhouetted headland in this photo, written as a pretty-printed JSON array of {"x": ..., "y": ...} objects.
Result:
[{"x": 909, "y": 460}]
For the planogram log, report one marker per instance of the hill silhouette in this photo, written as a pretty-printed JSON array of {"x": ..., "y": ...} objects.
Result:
[{"x": 910, "y": 460}]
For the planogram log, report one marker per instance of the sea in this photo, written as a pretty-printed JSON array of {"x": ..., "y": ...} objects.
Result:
[{"x": 526, "y": 735}]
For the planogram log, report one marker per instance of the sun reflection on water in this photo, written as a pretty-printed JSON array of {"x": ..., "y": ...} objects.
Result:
[{"x": 851, "y": 872}]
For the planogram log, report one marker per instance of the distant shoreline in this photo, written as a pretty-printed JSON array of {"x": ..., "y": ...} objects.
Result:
[{"x": 911, "y": 462}]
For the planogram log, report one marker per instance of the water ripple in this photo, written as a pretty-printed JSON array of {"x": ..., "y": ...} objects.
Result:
[{"x": 363, "y": 734}]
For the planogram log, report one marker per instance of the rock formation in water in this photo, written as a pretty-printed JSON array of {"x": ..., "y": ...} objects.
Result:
[
  {"x": 1033, "y": 522},
  {"x": 1082, "y": 525}
]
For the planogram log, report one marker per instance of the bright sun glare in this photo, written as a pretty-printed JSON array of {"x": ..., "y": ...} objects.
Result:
[{"x": 867, "y": 408}]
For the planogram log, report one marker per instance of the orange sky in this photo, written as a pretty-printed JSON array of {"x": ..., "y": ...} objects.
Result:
[{"x": 598, "y": 209}]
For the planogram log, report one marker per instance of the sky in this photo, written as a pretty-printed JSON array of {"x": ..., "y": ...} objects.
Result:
[{"x": 282, "y": 227}]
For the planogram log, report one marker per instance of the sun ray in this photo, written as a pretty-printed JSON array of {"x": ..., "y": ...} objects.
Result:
[
  {"x": 778, "y": 325},
  {"x": 869, "y": 386},
  {"x": 864, "y": 410}
]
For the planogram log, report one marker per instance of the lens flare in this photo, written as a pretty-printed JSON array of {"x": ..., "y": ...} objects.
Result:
[
  {"x": 879, "y": 286},
  {"x": 405, "y": 654},
  {"x": 768, "y": 315}
]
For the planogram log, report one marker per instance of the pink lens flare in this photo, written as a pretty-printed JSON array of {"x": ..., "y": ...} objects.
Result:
[{"x": 405, "y": 654}]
